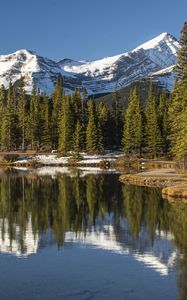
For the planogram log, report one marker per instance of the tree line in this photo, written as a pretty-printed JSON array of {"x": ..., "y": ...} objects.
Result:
[
  {"x": 63, "y": 122},
  {"x": 74, "y": 123}
]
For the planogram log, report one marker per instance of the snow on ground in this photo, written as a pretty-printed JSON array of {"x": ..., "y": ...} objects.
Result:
[
  {"x": 22, "y": 161},
  {"x": 52, "y": 159},
  {"x": 53, "y": 171},
  {"x": 95, "y": 159},
  {"x": 24, "y": 169}
]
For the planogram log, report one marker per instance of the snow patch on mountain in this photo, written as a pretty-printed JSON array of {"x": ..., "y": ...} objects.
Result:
[
  {"x": 93, "y": 68},
  {"x": 164, "y": 37},
  {"x": 154, "y": 58}
]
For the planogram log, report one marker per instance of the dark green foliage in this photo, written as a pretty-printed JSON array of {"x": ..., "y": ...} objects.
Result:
[
  {"x": 9, "y": 126},
  {"x": 117, "y": 119},
  {"x": 22, "y": 113},
  {"x": 66, "y": 127},
  {"x": 46, "y": 123},
  {"x": 93, "y": 132},
  {"x": 152, "y": 131},
  {"x": 32, "y": 130},
  {"x": 57, "y": 102},
  {"x": 3, "y": 100},
  {"x": 78, "y": 139},
  {"x": 142, "y": 87},
  {"x": 104, "y": 125},
  {"x": 178, "y": 108},
  {"x": 132, "y": 134},
  {"x": 163, "y": 121},
  {"x": 181, "y": 66},
  {"x": 74, "y": 124}
]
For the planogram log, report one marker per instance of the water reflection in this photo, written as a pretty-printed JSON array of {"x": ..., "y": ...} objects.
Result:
[{"x": 96, "y": 211}]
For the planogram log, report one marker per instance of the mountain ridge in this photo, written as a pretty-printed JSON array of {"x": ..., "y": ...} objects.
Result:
[{"x": 154, "y": 58}]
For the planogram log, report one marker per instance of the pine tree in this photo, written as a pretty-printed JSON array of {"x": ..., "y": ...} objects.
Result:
[
  {"x": 117, "y": 119},
  {"x": 163, "y": 120},
  {"x": 34, "y": 127},
  {"x": 2, "y": 108},
  {"x": 32, "y": 121},
  {"x": 78, "y": 139},
  {"x": 9, "y": 131},
  {"x": 57, "y": 103},
  {"x": 153, "y": 138},
  {"x": 65, "y": 127},
  {"x": 177, "y": 111},
  {"x": 100, "y": 140},
  {"x": 46, "y": 124},
  {"x": 22, "y": 112},
  {"x": 78, "y": 106},
  {"x": 132, "y": 135},
  {"x": 181, "y": 66},
  {"x": 94, "y": 140},
  {"x": 103, "y": 123}
]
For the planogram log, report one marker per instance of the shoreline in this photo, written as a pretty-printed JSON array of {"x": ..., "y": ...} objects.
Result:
[
  {"x": 48, "y": 159},
  {"x": 158, "y": 173},
  {"x": 174, "y": 185}
]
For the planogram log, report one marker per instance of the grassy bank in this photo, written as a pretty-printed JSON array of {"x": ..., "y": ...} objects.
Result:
[{"x": 174, "y": 184}]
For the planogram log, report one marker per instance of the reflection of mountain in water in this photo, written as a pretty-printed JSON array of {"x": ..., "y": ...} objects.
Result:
[
  {"x": 19, "y": 245},
  {"x": 91, "y": 211},
  {"x": 160, "y": 257}
]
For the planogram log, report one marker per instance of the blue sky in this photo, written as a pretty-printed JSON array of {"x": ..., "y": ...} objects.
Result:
[{"x": 86, "y": 29}]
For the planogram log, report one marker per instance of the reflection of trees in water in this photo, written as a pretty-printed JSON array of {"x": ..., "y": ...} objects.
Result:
[
  {"x": 144, "y": 207},
  {"x": 65, "y": 203},
  {"x": 75, "y": 203},
  {"x": 178, "y": 225}
]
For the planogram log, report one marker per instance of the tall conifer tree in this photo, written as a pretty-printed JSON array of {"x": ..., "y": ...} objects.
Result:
[
  {"x": 163, "y": 120},
  {"x": 178, "y": 111},
  {"x": 65, "y": 127},
  {"x": 94, "y": 139},
  {"x": 117, "y": 118},
  {"x": 22, "y": 113},
  {"x": 57, "y": 103},
  {"x": 78, "y": 139},
  {"x": 152, "y": 131},
  {"x": 2, "y": 109},
  {"x": 132, "y": 135}
]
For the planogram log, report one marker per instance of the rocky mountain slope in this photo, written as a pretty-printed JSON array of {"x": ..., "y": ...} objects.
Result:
[{"x": 155, "y": 59}]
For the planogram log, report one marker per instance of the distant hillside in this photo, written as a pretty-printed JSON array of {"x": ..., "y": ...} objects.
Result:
[{"x": 142, "y": 89}]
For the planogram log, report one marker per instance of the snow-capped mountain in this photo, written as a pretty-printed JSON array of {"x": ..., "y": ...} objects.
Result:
[{"x": 155, "y": 58}]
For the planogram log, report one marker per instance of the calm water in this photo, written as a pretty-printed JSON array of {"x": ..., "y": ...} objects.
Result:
[{"x": 86, "y": 236}]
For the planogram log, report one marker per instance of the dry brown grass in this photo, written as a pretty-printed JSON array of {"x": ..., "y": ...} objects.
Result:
[{"x": 177, "y": 192}]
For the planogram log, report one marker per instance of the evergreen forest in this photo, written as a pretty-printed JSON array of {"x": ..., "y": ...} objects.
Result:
[{"x": 157, "y": 127}]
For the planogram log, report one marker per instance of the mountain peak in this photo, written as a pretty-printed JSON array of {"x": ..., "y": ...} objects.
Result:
[
  {"x": 156, "y": 41},
  {"x": 101, "y": 76},
  {"x": 24, "y": 50}
]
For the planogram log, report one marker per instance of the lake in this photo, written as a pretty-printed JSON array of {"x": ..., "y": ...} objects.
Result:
[{"x": 71, "y": 234}]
